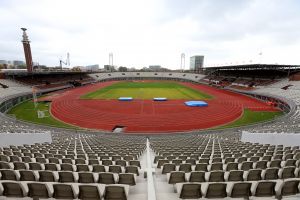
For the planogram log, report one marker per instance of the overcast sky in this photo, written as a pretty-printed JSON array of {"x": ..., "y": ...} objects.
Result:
[{"x": 152, "y": 32}]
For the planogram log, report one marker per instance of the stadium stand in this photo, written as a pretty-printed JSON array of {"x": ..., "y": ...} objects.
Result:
[{"x": 95, "y": 165}]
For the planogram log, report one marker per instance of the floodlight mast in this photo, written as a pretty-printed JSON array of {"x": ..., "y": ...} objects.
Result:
[
  {"x": 182, "y": 62},
  {"x": 67, "y": 62}
]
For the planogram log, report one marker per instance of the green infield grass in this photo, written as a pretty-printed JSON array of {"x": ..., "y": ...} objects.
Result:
[
  {"x": 26, "y": 111},
  {"x": 147, "y": 90},
  {"x": 251, "y": 117}
]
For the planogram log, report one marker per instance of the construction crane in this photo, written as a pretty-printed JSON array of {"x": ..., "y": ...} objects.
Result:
[{"x": 67, "y": 62}]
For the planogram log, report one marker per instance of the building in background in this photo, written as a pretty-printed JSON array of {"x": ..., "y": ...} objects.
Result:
[
  {"x": 154, "y": 67},
  {"x": 109, "y": 68},
  {"x": 92, "y": 68},
  {"x": 16, "y": 63},
  {"x": 196, "y": 63}
]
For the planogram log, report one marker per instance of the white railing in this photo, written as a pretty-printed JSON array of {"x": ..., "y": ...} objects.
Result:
[{"x": 150, "y": 182}]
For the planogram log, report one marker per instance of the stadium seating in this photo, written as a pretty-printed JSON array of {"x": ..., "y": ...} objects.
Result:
[{"x": 89, "y": 165}]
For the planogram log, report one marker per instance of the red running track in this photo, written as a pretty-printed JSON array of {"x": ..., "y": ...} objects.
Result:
[{"x": 151, "y": 116}]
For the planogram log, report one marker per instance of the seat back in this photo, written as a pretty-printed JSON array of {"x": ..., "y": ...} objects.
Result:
[
  {"x": 191, "y": 191},
  {"x": 89, "y": 192},
  {"x": 216, "y": 190},
  {"x": 38, "y": 190},
  {"x": 113, "y": 192},
  {"x": 241, "y": 190},
  {"x": 265, "y": 189}
]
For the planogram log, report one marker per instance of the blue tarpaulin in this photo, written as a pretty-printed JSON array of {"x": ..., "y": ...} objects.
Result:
[
  {"x": 125, "y": 99},
  {"x": 196, "y": 103},
  {"x": 160, "y": 99}
]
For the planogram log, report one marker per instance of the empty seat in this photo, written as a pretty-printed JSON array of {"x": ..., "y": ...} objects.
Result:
[
  {"x": 135, "y": 163},
  {"x": 216, "y": 190},
  {"x": 51, "y": 167},
  {"x": 106, "y": 178},
  {"x": 13, "y": 189},
  {"x": 270, "y": 174},
  {"x": 127, "y": 178},
  {"x": 168, "y": 167},
  {"x": 261, "y": 164},
  {"x": 191, "y": 161},
  {"x": 114, "y": 192},
  {"x": 98, "y": 168},
  {"x": 66, "y": 167},
  {"x": 287, "y": 172},
  {"x": 177, "y": 161},
  {"x": 176, "y": 177},
  {"x": 235, "y": 175},
  {"x": 240, "y": 190},
  {"x": 197, "y": 176},
  {"x": 290, "y": 162},
  {"x": 216, "y": 166},
  {"x": 4, "y": 158},
  {"x": 86, "y": 177},
  {"x": 27, "y": 175},
  {"x": 82, "y": 168},
  {"x": 201, "y": 167},
  {"x": 121, "y": 162},
  {"x": 4, "y": 165},
  {"x": 190, "y": 191},
  {"x": 264, "y": 189},
  {"x": 63, "y": 191},
  {"x": 106, "y": 162},
  {"x": 115, "y": 169},
  {"x": 161, "y": 162},
  {"x": 275, "y": 163},
  {"x": 66, "y": 177},
  {"x": 216, "y": 176},
  {"x": 232, "y": 166},
  {"x": 79, "y": 161},
  {"x": 19, "y": 165},
  {"x": 41, "y": 160},
  {"x": 47, "y": 176},
  {"x": 290, "y": 187},
  {"x": 247, "y": 165},
  {"x": 8, "y": 174},
  {"x": 89, "y": 192},
  {"x": 53, "y": 160},
  {"x": 186, "y": 167},
  {"x": 93, "y": 162},
  {"x": 38, "y": 190},
  {"x": 254, "y": 175},
  {"x": 35, "y": 166},
  {"x": 67, "y": 160},
  {"x": 132, "y": 169}
]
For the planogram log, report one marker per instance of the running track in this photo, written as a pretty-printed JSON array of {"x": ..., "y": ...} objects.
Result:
[{"x": 148, "y": 116}]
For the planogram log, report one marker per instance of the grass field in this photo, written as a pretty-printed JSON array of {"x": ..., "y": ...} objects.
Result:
[
  {"x": 251, "y": 117},
  {"x": 147, "y": 90},
  {"x": 25, "y": 111}
]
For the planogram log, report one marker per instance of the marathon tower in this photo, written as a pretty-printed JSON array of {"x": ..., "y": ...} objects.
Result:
[{"x": 27, "y": 51}]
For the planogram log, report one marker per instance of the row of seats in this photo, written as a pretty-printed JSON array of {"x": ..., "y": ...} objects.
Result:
[
  {"x": 235, "y": 175},
  {"x": 187, "y": 167},
  {"x": 225, "y": 158},
  {"x": 17, "y": 156},
  {"x": 243, "y": 190},
  {"x": 72, "y": 168},
  {"x": 25, "y": 162},
  {"x": 69, "y": 177}
]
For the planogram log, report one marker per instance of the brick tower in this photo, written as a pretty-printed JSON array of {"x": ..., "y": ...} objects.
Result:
[{"x": 27, "y": 51}]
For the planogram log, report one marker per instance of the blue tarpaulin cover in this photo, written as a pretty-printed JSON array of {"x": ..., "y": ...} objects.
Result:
[
  {"x": 196, "y": 103},
  {"x": 160, "y": 99},
  {"x": 125, "y": 99}
]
